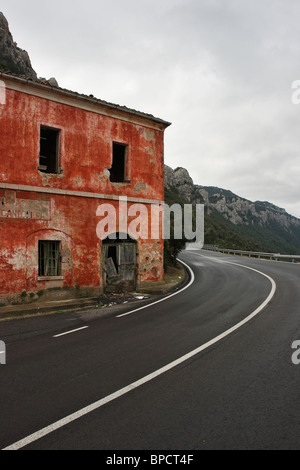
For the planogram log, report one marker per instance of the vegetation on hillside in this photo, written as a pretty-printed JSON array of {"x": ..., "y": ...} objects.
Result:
[{"x": 220, "y": 232}]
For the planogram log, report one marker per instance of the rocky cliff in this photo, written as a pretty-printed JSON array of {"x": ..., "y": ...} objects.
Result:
[
  {"x": 269, "y": 226},
  {"x": 241, "y": 211},
  {"x": 12, "y": 58}
]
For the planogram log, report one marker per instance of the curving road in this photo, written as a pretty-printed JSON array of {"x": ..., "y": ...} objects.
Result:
[{"x": 208, "y": 368}]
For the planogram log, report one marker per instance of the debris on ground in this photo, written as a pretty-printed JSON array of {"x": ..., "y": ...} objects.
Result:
[{"x": 109, "y": 300}]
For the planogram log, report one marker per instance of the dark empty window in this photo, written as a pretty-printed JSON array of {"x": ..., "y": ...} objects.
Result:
[
  {"x": 49, "y": 258},
  {"x": 118, "y": 169},
  {"x": 49, "y": 143}
]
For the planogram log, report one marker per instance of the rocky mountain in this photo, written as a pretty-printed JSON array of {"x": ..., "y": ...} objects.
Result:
[
  {"x": 259, "y": 224},
  {"x": 16, "y": 61},
  {"x": 12, "y": 58}
]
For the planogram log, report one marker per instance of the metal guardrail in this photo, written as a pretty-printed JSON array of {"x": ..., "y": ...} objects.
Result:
[{"x": 254, "y": 254}]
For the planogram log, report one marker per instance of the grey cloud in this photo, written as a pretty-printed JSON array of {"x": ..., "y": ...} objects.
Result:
[{"x": 219, "y": 70}]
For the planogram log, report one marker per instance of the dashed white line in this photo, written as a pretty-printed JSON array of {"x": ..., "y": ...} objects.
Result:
[{"x": 71, "y": 331}]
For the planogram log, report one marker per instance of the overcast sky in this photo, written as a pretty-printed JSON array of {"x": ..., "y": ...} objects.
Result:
[{"x": 220, "y": 70}]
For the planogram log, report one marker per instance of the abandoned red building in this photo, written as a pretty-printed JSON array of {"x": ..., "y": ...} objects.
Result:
[{"x": 62, "y": 155}]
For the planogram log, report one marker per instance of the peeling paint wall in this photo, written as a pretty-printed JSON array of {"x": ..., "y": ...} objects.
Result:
[
  {"x": 85, "y": 156},
  {"x": 86, "y": 140},
  {"x": 151, "y": 262}
]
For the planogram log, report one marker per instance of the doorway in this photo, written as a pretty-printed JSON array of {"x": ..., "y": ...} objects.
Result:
[{"x": 119, "y": 264}]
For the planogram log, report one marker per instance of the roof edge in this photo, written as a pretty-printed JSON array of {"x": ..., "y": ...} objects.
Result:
[{"x": 90, "y": 98}]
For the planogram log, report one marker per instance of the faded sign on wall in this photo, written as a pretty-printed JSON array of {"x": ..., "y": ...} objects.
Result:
[{"x": 14, "y": 208}]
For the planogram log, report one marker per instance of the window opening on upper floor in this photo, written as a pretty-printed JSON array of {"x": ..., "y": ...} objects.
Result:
[
  {"x": 118, "y": 169},
  {"x": 49, "y": 150}
]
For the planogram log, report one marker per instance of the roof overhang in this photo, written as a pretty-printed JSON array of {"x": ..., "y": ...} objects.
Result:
[{"x": 87, "y": 103}]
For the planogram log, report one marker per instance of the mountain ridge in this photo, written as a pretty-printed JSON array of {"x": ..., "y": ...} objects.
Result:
[
  {"x": 13, "y": 59},
  {"x": 16, "y": 61},
  {"x": 260, "y": 224}
]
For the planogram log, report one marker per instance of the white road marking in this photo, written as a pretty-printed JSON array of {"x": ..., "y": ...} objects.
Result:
[
  {"x": 95, "y": 406},
  {"x": 71, "y": 331},
  {"x": 234, "y": 263},
  {"x": 165, "y": 298}
]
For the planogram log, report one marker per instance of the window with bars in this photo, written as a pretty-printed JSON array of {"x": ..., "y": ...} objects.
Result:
[{"x": 49, "y": 258}]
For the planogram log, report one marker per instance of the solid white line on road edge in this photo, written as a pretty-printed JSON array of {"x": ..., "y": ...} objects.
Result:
[
  {"x": 84, "y": 411},
  {"x": 165, "y": 298},
  {"x": 72, "y": 331},
  {"x": 216, "y": 260},
  {"x": 145, "y": 306}
]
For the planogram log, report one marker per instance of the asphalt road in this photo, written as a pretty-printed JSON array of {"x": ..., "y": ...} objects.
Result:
[{"x": 241, "y": 391}]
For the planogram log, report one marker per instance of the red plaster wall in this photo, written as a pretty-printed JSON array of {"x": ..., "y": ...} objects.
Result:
[
  {"x": 85, "y": 154},
  {"x": 74, "y": 223},
  {"x": 85, "y": 148}
]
